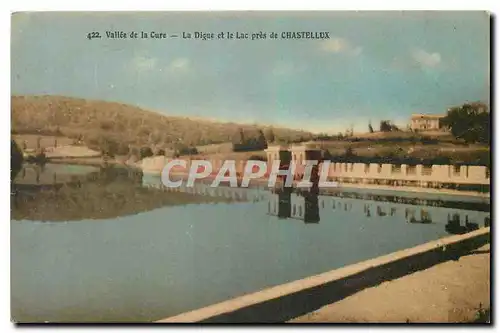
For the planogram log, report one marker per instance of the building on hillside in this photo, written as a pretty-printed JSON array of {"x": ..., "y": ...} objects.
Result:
[{"x": 426, "y": 122}]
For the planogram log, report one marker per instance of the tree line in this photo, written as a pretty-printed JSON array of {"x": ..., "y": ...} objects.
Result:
[{"x": 469, "y": 122}]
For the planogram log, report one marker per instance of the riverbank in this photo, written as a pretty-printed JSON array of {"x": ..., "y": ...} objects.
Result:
[{"x": 449, "y": 292}]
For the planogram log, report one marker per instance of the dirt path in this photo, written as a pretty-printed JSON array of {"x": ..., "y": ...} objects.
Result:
[{"x": 454, "y": 291}]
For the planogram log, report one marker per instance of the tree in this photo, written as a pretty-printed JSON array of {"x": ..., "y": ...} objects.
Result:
[
  {"x": 370, "y": 127},
  {"x": 326, "y": 155},
  {"x": 107, "y": 146},
  {"x": 385, "y": 126},
  {"x": 269, "y": 134},
  {"x": 261, "y": 140},
  {"x": 159, "y": 152},
  {"x": 145, "y": 152},
  {"x": 239, "y": 137},
  {"x": 16, "y": 159},
  {"x": 469, "y": 122}
]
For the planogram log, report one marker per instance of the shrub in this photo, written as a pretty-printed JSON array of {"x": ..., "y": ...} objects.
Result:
[
  {"x": 145, "y": 152},
  {"x": 349, "y": 152},
  {"x": 122, "y": 149},
  {"x": 108, "y": 147}
]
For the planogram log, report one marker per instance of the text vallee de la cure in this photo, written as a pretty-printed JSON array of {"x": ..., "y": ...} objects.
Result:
[{"x": 206, "y": 36}]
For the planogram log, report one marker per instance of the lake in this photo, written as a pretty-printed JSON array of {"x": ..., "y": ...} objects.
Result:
[{"x": 110, "y": 245}]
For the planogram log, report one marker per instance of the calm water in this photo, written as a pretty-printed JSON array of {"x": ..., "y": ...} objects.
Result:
[{"x": 181, "y": 253}]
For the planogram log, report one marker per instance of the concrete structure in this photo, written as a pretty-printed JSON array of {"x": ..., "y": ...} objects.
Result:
[
  {"x": 425, "y": 122},
  {"x": 278, "y": 152},
  {"x": 290, "y": 300},
  {"x": 304, "y": 152},
  {"x": 463, "y": 177},
  {"x": 433, "y": 176},
  {"x": 297, "y": 154}
]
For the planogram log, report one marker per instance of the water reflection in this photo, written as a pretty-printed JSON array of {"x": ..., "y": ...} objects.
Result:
[
  {"x": 172, "y": 258},
  {"x": 302, "y": 206},
  {"x": 309, "y": 207},
  {"x": 403, "y": 198},
  {"x": 57, "y": 192},
  {"x": 422, "y": 216},
  {"x": 66, "y": 193}
]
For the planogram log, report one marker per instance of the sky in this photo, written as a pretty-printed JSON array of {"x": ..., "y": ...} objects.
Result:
[{"x": 374, "y": 66}]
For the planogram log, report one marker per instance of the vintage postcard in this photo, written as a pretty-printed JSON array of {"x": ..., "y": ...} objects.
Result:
[{"x": 250, "y": 167}]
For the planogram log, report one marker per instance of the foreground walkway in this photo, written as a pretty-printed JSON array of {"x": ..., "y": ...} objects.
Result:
[{"x": 453, "y": 291}]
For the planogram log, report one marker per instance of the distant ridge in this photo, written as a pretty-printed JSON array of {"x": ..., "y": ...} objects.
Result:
[{"x": 91, "y": 119}]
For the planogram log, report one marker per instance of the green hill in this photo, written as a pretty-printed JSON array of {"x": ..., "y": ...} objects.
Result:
[{"x": 92, "y": 120}]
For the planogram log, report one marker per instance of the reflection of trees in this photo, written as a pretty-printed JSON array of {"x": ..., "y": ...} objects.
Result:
[
  {"x": 347, "y": 206},
  {"x": 108, "y": 193},
  {"x": 380, "y": 211},
  {"x": 16, "y": 159}
]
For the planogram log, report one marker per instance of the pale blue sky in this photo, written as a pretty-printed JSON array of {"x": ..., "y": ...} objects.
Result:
[{"x": 377, "y": 65}]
